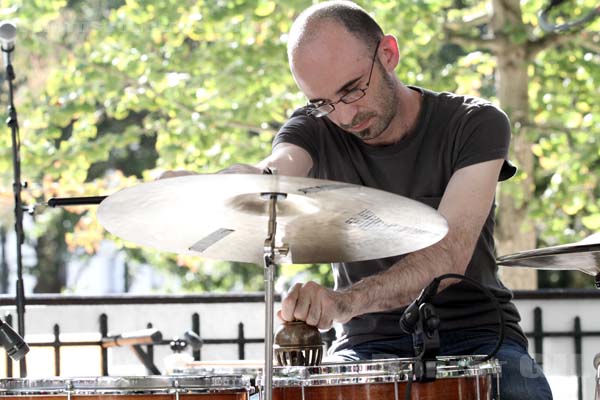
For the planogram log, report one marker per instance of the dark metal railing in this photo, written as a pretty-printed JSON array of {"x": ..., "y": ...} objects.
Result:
[
  {"x": 241, "y": 341},
  {"x": 577, "y": 334},
  {"x": 537, "y": 335}
]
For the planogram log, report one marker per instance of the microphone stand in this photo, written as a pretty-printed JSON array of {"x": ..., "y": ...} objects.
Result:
[{"x": 13, "y": 124}]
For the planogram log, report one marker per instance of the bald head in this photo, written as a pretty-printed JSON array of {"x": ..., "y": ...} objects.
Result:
[{"x": 312, "y": 22}]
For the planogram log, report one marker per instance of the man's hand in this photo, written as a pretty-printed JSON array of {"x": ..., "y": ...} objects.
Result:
[
  {"x": 174, "y": 174},
  {"x": 316, "y": 305},
  {"x": 241, "y": 169},
  {"x": 233, "y": 169}
]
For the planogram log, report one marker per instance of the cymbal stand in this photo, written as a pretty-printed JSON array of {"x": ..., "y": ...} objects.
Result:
[{"x": 271, "y": 251}]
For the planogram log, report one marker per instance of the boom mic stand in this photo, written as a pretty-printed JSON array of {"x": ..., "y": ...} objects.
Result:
[{"x": 13, "y": 123}]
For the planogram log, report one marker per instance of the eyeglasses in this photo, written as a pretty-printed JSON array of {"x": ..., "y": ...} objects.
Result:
[{"x": 321, "y": 110}]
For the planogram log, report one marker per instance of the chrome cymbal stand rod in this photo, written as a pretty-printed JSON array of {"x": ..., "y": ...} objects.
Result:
[{"x": 270, "y": 253}]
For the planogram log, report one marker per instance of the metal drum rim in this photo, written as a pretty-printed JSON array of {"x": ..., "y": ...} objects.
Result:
[
  {"x": 124, "y": 384},
  {"x": 379, "y": 371}
]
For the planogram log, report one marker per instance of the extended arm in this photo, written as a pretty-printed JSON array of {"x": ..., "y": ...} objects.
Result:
[
  {"x": 288, "y": 159},
  {"x": 465, "y": 204}
]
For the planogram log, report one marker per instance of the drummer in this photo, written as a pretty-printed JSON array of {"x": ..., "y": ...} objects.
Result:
[{"x": 363, "y": 126}]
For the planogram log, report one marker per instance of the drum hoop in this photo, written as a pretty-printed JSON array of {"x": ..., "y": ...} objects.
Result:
[
  {"x": 124, "y": 385},
  {"x": 380, "y": 371},
  {"x": 337, "y": 381},
  {"x": 212, "y": 371}
]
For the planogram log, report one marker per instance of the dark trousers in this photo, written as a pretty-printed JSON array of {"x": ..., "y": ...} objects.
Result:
[{"x": 521, "y": 377}]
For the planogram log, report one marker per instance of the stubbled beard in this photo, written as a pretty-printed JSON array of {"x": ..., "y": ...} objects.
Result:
[
  {"x": 387, "y": 104},
  {"x": 359, "y": 119},
  {"x": 364, "y": 134}
]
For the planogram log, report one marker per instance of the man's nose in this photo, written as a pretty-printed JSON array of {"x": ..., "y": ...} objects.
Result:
[{"x": 345, "y": 113}]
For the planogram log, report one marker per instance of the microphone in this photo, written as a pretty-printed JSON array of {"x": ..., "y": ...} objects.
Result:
[
  {"x": 12, "y": 342},
  {"x": 410, "y": 316},
  {"x": 193, "y": 340},
  {"x": 8, "y": 35},
  {"x": 190, "y": 338}
]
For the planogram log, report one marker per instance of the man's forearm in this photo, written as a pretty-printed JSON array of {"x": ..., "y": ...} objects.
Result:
[{"x": 400, "y": 284}]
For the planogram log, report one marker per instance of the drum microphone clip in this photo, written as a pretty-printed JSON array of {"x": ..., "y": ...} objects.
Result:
[
  {"x": 190, "y": 338},
  {"x": 421, "y": 320},
  {"x": 410, "y": 316},
  {"x": 13, "y": 343}
]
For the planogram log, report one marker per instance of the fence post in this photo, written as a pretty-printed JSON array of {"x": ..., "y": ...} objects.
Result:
[
  {"x": 56, "y": 346},
  {"x": 196, "y": 330},
  {"x": 538, "y": 336},
  {"x": 104, "y": 350},
  {"x": 241, "y": 342},
  {"x": 150, "y": 347},
  {"x": 9, "y": 363},
  {"x": 577, "y": 336}
]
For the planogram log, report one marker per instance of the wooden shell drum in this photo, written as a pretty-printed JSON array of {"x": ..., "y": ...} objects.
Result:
[
  {"x": 128, "y": 388},
  {"x": 458, "y": 378}
]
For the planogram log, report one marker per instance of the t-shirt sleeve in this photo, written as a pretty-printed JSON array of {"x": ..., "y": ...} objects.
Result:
[
  {"x": 301, "y": 130},
  {"x": 485, "y": 136}
]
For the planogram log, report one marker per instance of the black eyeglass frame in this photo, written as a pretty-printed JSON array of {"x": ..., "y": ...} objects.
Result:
[{"x": 352, "y": 96}]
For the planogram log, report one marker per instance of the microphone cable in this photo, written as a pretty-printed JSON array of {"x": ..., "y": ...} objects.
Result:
[{"x": 493, "y": 300}]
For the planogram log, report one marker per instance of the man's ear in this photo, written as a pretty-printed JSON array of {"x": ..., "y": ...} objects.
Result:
[{"x": 388, "y": 53}]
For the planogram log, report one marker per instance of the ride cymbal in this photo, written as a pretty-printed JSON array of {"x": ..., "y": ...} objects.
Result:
[
  {"x": 583, "y": 256},
  {"x": 224, "y": 216}
]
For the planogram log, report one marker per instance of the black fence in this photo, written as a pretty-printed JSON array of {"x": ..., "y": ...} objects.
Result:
[
  {"x": 577, "y": 334},
  {"x": 146, "y": 355}
]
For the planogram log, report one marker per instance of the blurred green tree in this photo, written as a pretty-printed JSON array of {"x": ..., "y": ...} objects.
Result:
[{"x": 111, "y": 92}]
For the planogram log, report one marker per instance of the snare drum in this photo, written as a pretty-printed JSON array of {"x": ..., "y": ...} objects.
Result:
[
  {"x": 128, "y": 388},
  {"x": 458, "y": 378}
]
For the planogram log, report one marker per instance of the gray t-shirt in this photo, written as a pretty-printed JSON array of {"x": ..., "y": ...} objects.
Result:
[{"x": 452, "y": 132}]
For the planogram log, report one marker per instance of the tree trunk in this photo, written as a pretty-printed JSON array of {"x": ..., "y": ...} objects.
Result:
[
  {"x": 50, "y": 249},
  {"x": 515, "y": 230}
]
